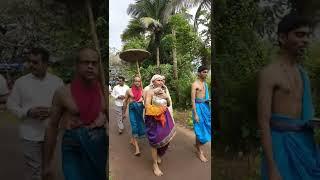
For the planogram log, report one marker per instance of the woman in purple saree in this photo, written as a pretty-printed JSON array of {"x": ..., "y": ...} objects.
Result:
[{"x": 159, "y": 123}]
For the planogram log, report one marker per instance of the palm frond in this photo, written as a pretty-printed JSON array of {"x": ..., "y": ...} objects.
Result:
[
  {"x": 134, "y": 29},
  {"x": 150, "y": 23}
]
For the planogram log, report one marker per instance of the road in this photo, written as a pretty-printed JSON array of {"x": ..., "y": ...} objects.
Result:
[
  {"x": 11, "y": 158},
  {"x": 179, "y": 162}
]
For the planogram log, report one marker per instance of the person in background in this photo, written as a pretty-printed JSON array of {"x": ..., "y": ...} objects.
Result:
[
  {"x": 4, "y": 91},
  {"x": 201, "y": 111},
  {"x": 134, "y": 98},
  {"x": 31, "y": 101},
  {"x": 119, "y": 92}
]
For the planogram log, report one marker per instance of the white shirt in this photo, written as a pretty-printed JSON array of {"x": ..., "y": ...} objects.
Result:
[
  {"x": 3, "y": 86},
  {"x": 28, "y": 92},
  {"x": 119, "y": 91}
]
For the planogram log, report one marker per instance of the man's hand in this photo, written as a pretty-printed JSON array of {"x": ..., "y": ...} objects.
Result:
[
  {"x": 140, "y": 100},
  {"x": 99, "y": 122},
  {"x": 196, "y": 117},
  {"x": 40, "y": 113},
  {"x": 47, "y": 173},
  {"x": 121, "y": 97}
]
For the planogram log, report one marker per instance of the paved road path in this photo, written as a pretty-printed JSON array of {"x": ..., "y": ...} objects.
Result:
[{"x": 180, "y": 161}]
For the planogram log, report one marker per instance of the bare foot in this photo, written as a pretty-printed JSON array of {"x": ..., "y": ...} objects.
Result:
[
  {"x": 156, "y": 170},
  {"x": 137, "y": 153},
  {"x": 159, "y": 160},
  {"x": 202, "y": 157}
]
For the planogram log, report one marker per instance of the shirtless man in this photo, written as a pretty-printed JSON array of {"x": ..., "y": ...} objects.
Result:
[
  {"x": 81, "y": 107},
  {"x": 285, "y": 108},
  {"x": 201, "y": 112},
  {"x": 134, "y": 98}
]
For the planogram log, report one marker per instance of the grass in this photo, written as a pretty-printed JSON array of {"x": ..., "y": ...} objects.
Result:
[{"x": 183, "y": 117}]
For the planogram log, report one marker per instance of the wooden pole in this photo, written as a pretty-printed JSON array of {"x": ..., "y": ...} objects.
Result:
[
  {"x": 97, "y": 46},
  {"x": 101, "y": 69}
]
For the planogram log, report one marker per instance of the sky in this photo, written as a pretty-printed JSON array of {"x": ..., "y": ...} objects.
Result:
[{"x": 118, "y": 20}]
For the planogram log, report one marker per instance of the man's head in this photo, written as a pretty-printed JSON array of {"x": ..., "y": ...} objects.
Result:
[
  {"x": 38, "y": 59},
  {"x": 157, "y": 80},
  {"x": 121, "y": 80},
  {"x": 88, "y": 63},
  {"x": 293, "y": 34},
  {"x": 137, "y": 81},
  {"x": 203, "y": 72}
]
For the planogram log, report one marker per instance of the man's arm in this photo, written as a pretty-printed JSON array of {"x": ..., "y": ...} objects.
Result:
[
  {"x": 149, "y": 94},
  {"x": 125, "y": 103},
  {"x": 113, "y": 93},
  {"x": 4, "y": 91},
  {"x": 3, "y": 98},
  {"x": 14, "y": 102},
  {"x": 265, "y": 90},
  {"x": 50, "y": 139},
  {"x": 193, "y": 98}
]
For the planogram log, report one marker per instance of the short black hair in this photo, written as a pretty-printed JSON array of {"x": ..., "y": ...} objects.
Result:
[
  {"x": 40, "y": 51},
  {"x": 291, "y": 22},
  {"x": 202, "y": 68},
  {"x": 122, "y": 78}
]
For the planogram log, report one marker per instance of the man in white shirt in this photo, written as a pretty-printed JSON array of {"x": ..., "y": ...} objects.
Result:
[
  {"x": 31, "y": 100},
  {"x": 4, "y": 91},
  {"x": 110, "y": 89},
  {"x": 119, "y": 92}
]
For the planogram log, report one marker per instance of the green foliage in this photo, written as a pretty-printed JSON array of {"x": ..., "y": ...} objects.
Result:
[
  {"x": 312, "y": 64},
  {"x": 241, "y": 53},
  {"x": 60, "y": 27},
  {"x": 136, "y": 43}
]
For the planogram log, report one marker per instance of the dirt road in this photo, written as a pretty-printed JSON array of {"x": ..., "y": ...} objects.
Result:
[{"x": 179, "y": 162}]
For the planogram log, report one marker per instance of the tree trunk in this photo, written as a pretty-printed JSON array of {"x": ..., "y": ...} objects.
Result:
[
  {"x": 174, "y": 55},
  {"x": 175, "y": 64},
  {"x": 101, "y": 69},
  {"x": 157, "y": 41}
]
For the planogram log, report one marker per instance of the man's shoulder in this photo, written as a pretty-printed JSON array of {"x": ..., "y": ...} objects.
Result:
[
  {"x": 195, "y": 83},
  {"x": 23, "y": 78},
  {"x": 53, "y": 77},
  {"x": 62, "y": 91},
  {"x": 146, "y": 88}
]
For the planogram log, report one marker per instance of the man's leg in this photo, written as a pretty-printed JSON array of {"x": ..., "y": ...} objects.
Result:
[
  {"x": 200, "y": 153},
  {"x": 119, "y": 118},
  {"x": 32, "y": 156},
  {"x": 72, "y": 162},
  {"x": 156, "y": 169}
]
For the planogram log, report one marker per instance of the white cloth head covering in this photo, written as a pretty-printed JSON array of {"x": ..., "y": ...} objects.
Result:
[{"x": 156, "y": 77}]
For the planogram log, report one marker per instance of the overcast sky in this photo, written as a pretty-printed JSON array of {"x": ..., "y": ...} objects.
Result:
[{"x": 118, "y": 20}]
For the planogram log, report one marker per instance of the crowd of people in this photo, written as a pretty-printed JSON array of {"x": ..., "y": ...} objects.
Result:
[
  {"x": 151, "y": 114},
  {"x": 44, "y": 105}
]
